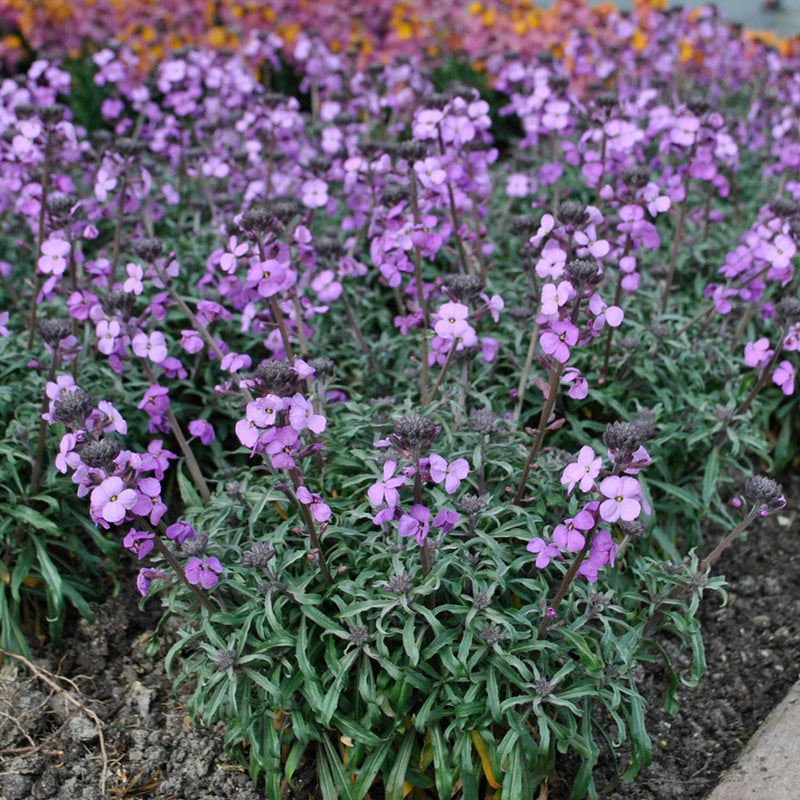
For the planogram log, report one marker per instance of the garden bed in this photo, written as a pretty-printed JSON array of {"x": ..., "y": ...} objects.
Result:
[{"x": 153, "y": 751}]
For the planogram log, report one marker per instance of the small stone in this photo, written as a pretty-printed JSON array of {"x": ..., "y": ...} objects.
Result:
[
  {"x": 16, "y": 787},
  {"x": 82, "y": 729},
  {"x": 762, "y": 621},
  {"x": 747, "y": 586},
  {"x": 772, "y": 585}
]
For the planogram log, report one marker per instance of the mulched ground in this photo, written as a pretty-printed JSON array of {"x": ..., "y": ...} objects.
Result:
[{"x": 50, "y": 744}]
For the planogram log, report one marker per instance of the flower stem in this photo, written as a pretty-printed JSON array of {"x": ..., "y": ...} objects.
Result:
[
  {"x": 448, "y": 361},
  {"x": 565, "y": 583},
  {"x": 169, "y": 557},
  {"x": 676, "y": 242},
  {"x": 310, "y": 527},
  {"x": 191, "y": 462},
  {"x": 536, "y": 446},
  {"x": 40, "y": 235},
  {"x": 424, "y": 373},
  {"x": 36, "y": 472},
  {"x": 118, "y": 225},
  {"x": 523, "y": 378}
]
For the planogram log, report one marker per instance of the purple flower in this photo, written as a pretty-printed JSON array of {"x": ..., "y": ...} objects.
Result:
[
  {"x": 139, "y": 542},
  {"x": 783, "y": 376},
  {"x": 301, "y": 415},
  {"x": 134, "y": 284},
  {"x": 583, "y": 472},
  {"x": 107, "y": 332},
  {"x": 569, "y": 535},
  {"x": 446, "y": 520},
  {"x": 205, "y": 572},
  {"x": 4, "y": 324},
  {"x": 452, "y": 474},
  {"x": 155, "y": 403},
  {"x": 282, "y": 446},
  {"x": 557, "y": 341},
  {"x": 579, "y": 387},
  {"x": 314, "y": 193},
  {"x": 53, "y": 260},
  {"x": 546, "y": 551},
  {"x": 553, "y": 297},
  {"x": 451, "y": 321},
  {"x": 623, "y": 498},
  {"x": 758, "y": 353},
  {"x": 180, "y": 531},
  {"x": 153, "y": 346},
  {"x": 111, "y": 500},
  {"x": 114, "y": 420},
  {"x": 319, "y": 510},
  {"x": 202, "y": 428},
  {"x": 145, "y": 576},
  {"x": 603, "y": 552},
  {"x": 415, "y": 523},
  {"x": 385, "y": 491}
]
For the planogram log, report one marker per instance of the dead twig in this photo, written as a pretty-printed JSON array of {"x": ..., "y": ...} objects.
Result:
[{"x": 52, "y": 681}]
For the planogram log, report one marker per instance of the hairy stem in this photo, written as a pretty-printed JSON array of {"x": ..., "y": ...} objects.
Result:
[
  {"x": 311, "y": 529},
  {"x": 424, "y": 370},
  {"x": 676, "y": 242},
  {"x": 36, "y": 472},
  {"x": 191, "y": 462},
  {"x": 40, "y": 234}
]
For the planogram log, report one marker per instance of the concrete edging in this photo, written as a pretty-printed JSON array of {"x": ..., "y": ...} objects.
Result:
[{"x": 769, "y": 766}]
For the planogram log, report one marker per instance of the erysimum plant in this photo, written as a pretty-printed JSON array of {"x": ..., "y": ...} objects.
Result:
[{"x": 421, "y": 445}]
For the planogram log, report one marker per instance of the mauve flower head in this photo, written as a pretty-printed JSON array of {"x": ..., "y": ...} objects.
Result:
[
  {"x": 557, "y": 341},
  {"x": 783, "y": 376},
  {"x": 205, "y": 572},
  {"x": 144, "y": 578},
  {"x": 385, "y": 491},
  {"x": 111, "y": 500},
  {"x": 139, "y": 542},
  {"x": 583, "y": 472},
  {"x": 569, "y": 535},
  {"x": 623, "y": 498},
  {"x": 416, "y": 523},
  {"x": 152, "y": 346},
  {"x": 451, "y": 474},
  {"x": 545, "y": 551},
  {"x": 446, "y": 520},
  {"x": 180, "y": 531},
  {"x": 203, "y": 429},
  {"x": 758, "y": 353},
  {"x": 319, "y": 510}
]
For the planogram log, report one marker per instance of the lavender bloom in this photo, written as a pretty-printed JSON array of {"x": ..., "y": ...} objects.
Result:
[
  {"x": 205, "y": 572},
  {"x": 415, "y": 523},
  {"x": 111, "y": 500}
]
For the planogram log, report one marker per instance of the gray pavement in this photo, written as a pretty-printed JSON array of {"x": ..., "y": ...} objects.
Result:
[
  {"x": 769, "y": 767},
  {"x": 749, "y": 12}
]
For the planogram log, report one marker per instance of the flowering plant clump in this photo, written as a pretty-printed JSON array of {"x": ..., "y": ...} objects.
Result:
[{"x": 420, "y": 428}]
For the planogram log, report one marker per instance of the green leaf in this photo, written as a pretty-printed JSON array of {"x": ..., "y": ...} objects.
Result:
[
  {"x": 332, "y": 696},
  {"x": 493, "y": 694},
  {"x": 410, "y": 642},
  {"x": 337, "y": 770},
  {"x": 393, "y": 786},
  {"x": 293, "y": 760},
  {"x": 272, "y": 759},
  {"x": 189, "y": 495},
  {"x": 514, "y": 775},
  {"x": 710, "y": 477},
  {"x": 370, "y": 768},
  {"x": 55, "y": 589},
  {"x": 442, "y": 764}
]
